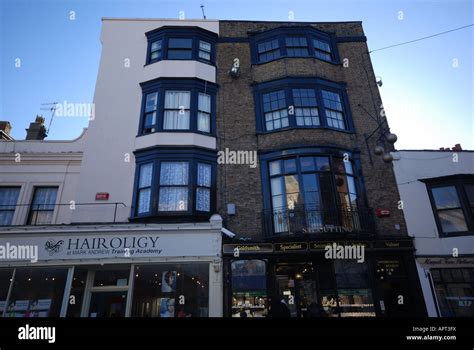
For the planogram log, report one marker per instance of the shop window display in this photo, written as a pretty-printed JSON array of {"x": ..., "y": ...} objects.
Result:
[
  {"x": 249, "y": 296},
  {"x": 5, "y": 279},
  {"x": 171, "y": 290},
  {"x": 37, "y": 292}
]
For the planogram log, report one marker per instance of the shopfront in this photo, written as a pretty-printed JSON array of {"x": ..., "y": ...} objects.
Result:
[
  {"x": 451, "y": 284},
  {"x": 136, "y": 273},
  {"x": 311, "y": 285}
]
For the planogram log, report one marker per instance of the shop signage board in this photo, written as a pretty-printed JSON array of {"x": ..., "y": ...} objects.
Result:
[
  {"x": 117, "y": 245},
  {"x": 295, "y": 247}
]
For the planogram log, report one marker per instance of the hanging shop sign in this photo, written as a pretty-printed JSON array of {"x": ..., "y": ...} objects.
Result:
[{"x": 114, "y": 245}]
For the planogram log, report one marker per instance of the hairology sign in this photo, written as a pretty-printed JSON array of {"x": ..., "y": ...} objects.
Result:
[{"x": 119, "y": 245}]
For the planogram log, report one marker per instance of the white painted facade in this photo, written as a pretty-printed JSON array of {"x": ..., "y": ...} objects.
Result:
[
  {"x": 112, "y": 135},
  {"x": 102, "y": 160},
  {"x": 432, "y": 251},
  {"x": 28, "y": 164}
]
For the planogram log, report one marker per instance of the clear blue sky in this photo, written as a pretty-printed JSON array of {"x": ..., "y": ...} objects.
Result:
[{"x": 429, "y": 103}]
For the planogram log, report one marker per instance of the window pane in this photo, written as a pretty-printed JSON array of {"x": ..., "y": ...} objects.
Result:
[
  {"x": 8, "y": 200},
  {"x": 204, "y": 122},
  {"x": 322, "y": 163},
  {"x": 45, "y": 197},
  {"x": 307, "y": 164},
  {"x": 290, "y": 165},
  {"x": 321, "y": 45},
  {"x": 204, "y": 175},
  {"x": 177, "y": 104},
  {"x": 204, "y": 104},
  {"x": 112, "y": 276},
  {"x": 176, "y": 120},
  {"x": 157, "y": 286},
  {"x": 173, "y": 199},
  {"x": 275, "y": 167},
  {"x": 151, "y": 102},
  {"x": 146, "y": 171},
  {"x": 332, "y": 100},
  {"x": 470, "y": 194},
  {"x": 445, "y": 197},
  {"x": 37, "y": 292},
  {"x": 144, "y": 199},
  {"x": 5, "y": 279},
  {"x": 310, "y": 182},
  {"x": 277, "y": 186},
  {"x": 174, "y": 173},
  {"x": 177, "y": 99},
  {"x": 203, "y": 199},
  {"x": 182, "y": 43},
  {"x": 452, "y": 220},
  {"x": 204, "y": 46},
  {"x": 156, "y": 45}
]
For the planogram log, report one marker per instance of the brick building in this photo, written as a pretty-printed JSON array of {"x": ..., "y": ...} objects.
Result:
[{"x": 305, "y": 98}]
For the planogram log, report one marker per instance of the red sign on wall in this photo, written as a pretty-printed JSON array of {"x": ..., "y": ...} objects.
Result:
[
  {"x": 102, "y": 196},
  {"x": 381, "y": 212}
]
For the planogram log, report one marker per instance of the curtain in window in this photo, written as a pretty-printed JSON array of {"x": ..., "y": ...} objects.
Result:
[
  {"x": 42, "y": 208},
  {"x": 144, "y": 185},
  {"x": 203, "y": 192},
  {"x": 174, "y": 173},
  {"x": 177, "y": 104},
  {"x": 8, "y": 200},
  {"x": 204, "y": 113},
  {"x": 173, "y": 198}
]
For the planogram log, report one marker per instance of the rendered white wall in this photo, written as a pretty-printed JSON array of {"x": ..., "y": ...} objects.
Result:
[
  {"x": 409, "y": 166},
  {"x": 108, "y": 164}
]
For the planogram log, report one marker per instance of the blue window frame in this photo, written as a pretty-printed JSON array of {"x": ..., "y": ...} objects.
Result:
[
  {"x": 293, "y": 42},
  {"x": 297, "y": 46},
  {"x": 302, "y": 103},
  {"x": 268, "y": 50},
  {"x": 306, "y": 189},
  {"x": 178, "y": 105},
  {"x": 174, "y": 182},
  {"x": 181, "y": 43}
]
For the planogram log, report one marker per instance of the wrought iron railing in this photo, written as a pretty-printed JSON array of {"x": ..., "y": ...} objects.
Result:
[
  {"x": 42, "y": 214},
  {"x": 304, "y": 220}
]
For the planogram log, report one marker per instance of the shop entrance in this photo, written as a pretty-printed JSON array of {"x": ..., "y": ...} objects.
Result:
[
  {"x": 108, "y": 304},
  {"x": 295, "y": 284}
]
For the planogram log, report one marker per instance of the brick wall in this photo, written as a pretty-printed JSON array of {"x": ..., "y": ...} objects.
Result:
[{"x": 236, "y": 127}]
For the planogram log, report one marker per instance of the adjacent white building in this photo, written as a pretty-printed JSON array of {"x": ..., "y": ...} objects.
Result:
[
  {"x": 437, "y": 191},
  {"x": 122, "y": 217}
]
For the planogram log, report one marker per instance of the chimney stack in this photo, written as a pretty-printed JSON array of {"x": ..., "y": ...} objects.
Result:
[
  {"x": 5, "y": 128},
  {"x": 37, "y": 130}
]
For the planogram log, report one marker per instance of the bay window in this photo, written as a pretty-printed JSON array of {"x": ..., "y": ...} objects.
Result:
[
  {"x": 181, "y": 43},
  {"x": 293, "y": 42},
  {"x": 310, "y": 192},
  {"x": 174, "y": 182},
  {"x": 301, "y": 103},
  {"x": 183, "y": 105}
]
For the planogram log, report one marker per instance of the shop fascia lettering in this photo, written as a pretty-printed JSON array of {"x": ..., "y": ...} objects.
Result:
[{"x": 112, "y": 243}]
